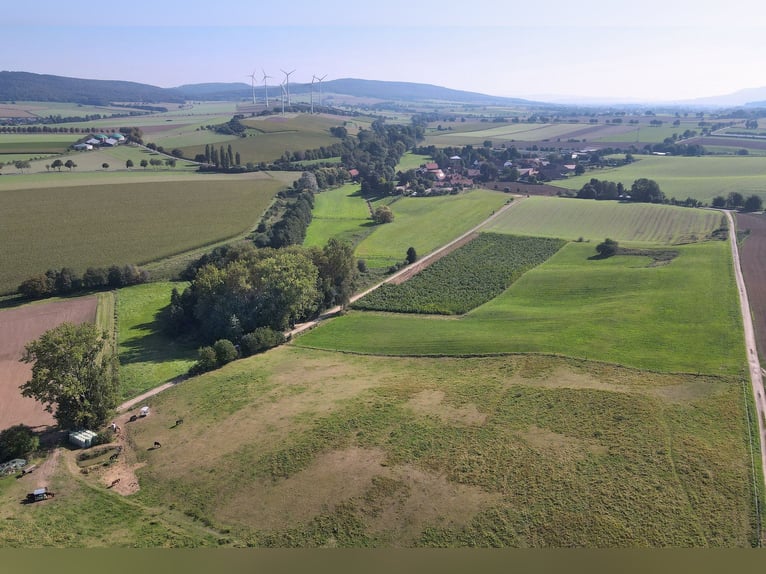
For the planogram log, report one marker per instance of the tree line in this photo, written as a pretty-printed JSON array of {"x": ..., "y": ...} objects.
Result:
[{"x": 66, "y": 281}]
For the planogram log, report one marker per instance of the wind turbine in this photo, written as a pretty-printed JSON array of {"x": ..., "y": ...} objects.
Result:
[
  {"x": 320, "y": 87},
  {"x": 265, "y": 87},
  {"x": 282, "y": 86},
  {"x": 287, "y": 84},
  {"x": 313, "y": 79},
  {"x": 252, "y": 82}
]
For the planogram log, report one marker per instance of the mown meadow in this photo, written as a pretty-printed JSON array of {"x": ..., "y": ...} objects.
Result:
[
  {"x": 426, "y": 223},
  {"x": 148, "y": 357},
  {"x": 341, "y": 213},
  {"x": 624, "y": 310}
]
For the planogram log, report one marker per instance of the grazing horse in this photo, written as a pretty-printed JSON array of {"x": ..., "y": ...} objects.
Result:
[
  {"x": 115, "y": 482},
  {"x": 179, "y": 421},
  {"x": 157, "y": 445}
]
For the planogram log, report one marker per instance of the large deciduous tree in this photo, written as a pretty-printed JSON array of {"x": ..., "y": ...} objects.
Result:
[
  {"x": 73, "y": 374},
  {"x": 646, "y": 191}
]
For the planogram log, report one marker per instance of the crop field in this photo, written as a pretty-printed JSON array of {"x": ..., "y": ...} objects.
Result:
[
  {"x": 464, "y": 279},
  {"x": 324, "y": 449},
  {"x": 699, "y": 177},
  {"x": 148, "y": 358},
  {"x": 426, "y": 223},
  {"x": 595, "y": 220},
  {"x": 100, "y": 225},
  {"x": 340, "y": 213},
  {"x": 624, "y": 309},
  {"x": 753, "y": 259}
]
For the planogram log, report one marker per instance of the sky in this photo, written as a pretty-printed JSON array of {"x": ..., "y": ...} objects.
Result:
[{"x": 653, "y": 50}]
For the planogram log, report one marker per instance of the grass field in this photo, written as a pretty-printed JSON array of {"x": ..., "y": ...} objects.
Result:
[
  {"x": 699, "y": 177},
  {"x": 411, "y": 161},
  {"x": 621, "y": 310},
  {"x": 100, "y": 225},
  {"x": 595, "y": 220},
  {"x": 148, "y": 358},
  {"x": 426, "y": 223},
  {"x": 35, "y": 143},
  {"x": 340, "y": 213},
  {"x": 322, "y": 449}
]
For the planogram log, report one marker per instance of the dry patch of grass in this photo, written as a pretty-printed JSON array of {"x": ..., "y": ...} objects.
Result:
[{"x": 430, "y": 402}]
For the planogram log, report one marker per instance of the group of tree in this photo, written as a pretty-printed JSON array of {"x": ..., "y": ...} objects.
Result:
[
  {"x": 643, "y": 190},
  {"x": 57, "y": 164},
  {"x": 736, "y": 200},
  {"x": 601, "y": 189},
  {"x": 240, "y": 289},
  {"x": 74, "y": 374},
  {"x": 66, "y": 281},
  {"x": 233, "y": 127},
  {"x": 17, "y": 442}
]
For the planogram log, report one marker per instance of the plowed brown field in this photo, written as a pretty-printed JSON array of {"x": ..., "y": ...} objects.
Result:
[
  {"x": 17, "y": 328},
  {"x": 753, "y": 256}
]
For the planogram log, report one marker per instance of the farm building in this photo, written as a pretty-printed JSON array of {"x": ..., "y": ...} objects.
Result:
[
  {"x": 111, "y": 142},
  {"x": 82, "y": 438},
  {"x": 83, "y": 146},
  {"x": 93, "y": 141}
]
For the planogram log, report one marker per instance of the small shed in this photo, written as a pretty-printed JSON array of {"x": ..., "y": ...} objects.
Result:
[{"x": 82, "y": 438}]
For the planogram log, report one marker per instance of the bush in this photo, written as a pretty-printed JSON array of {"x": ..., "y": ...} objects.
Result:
[
  {"x": 206, "y": 361},
  {"x": 261, "y": 339},
  {"x": 17, "y": 441},
  {"x": 361, "y": 264},
  {"x": 607, "y": 248},
  {"x": 225, "y": 351}
]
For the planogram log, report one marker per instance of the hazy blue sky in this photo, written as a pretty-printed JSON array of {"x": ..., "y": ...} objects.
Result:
[{"x": 648, "y": 50}]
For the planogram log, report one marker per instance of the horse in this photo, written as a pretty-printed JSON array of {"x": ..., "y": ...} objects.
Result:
[
  {"x": 157, "y": 445},
  {"x": 179, "y": 421}
]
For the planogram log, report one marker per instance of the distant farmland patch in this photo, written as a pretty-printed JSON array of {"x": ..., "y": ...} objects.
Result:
[
  {"x": 699, "y": 177},
  {"x": 594, "y": 220},
  {"x": 98, "y": 225},
  {"x": 464, "y": 279}
]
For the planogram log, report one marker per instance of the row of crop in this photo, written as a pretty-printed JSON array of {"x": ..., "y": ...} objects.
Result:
[{"x": 466, "y": 278}]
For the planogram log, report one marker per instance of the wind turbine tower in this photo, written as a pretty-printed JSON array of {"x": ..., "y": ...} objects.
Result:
[
  {"x": 287, "y": 84},
  {"x": 265, "y": 87},
  {"x": 252, "y": 83},
  {"x": 320, "y": 88},
  {"x": 313, "y": 79},
  {"x": 282, "y": 87}
]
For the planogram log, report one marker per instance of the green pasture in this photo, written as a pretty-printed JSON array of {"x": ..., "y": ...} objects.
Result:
[
  {"x": 595, "y": 220},
  {"x": 136, "y": 222},
  {"x": 148, "y": 358},
  {"x": 702, "y": 178},
  {"x": 644, "y": 133},
  {"x": 326, "y": 449},
  {"x": 426, "y": 223},
  {"x": 340, "y": 213},
  {"x": 258, "y": 147},
  {"x": 310, "y": 162},
  {"x": 35, "y": 144},
  {"x": 622, "y": 310},
  {"x": 411, "y": 161}
]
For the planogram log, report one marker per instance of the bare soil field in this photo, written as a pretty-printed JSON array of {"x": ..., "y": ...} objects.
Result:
[
  {"x": 753, "y": 257},
  {"x": 17, "y": 328}
]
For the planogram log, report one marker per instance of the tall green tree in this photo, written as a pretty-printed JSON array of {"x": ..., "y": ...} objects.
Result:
[{"x": 74, "y": 375}]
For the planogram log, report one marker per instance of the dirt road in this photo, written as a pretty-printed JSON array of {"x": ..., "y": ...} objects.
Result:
[{"x": 756, "y": 375}]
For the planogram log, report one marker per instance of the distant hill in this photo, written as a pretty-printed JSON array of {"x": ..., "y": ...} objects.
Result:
[
  {"x": 397, "y": 91},
  {"x": 25, "y": 86},
  {"x": 746, "y": 97}
]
